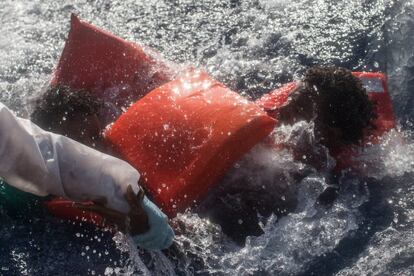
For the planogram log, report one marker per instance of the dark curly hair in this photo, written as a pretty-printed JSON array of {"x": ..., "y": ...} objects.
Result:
[
  {"x": 341, "y": 101},
  {"x": 62, "y": 102}
]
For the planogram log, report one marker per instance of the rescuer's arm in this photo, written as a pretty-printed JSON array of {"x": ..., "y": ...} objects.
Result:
[
  {"x": 144, "y": 221},
  {"x": 43, "y": 163}
]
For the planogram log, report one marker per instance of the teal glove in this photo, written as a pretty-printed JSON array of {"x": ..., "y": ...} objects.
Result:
[{"x": 160, "y": 234}]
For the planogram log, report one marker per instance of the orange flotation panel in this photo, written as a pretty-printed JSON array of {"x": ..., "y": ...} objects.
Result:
[
  {"x": 377, "y": 88},
  {"x": 108, "y": 66},
  {"x": 184, "y": 136},
  {"x": 64, "y": 208},
  {"x": 376, "y": 85},
  {"x": 275, "y": 99}
]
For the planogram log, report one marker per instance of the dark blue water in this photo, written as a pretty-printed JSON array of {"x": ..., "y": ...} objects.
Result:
[{"x": 252, "y": 46}]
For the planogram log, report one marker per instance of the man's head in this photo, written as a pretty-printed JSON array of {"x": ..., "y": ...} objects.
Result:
[
  {"x": 336, "y": 101},
  {"x": 73, "y": 113}
]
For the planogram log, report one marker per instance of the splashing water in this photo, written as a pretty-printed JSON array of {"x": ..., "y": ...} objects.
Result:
[
  {"x": 393, "y": 156},
  {"x": 253, "y": 47}
]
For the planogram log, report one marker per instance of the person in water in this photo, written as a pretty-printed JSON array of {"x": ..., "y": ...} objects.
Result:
[
  {"x": 44, "y": 163},
  {"x": 337, "y": 105},
  {"x": 336, "y": 101},
  {"x": 329, "y": 97}
]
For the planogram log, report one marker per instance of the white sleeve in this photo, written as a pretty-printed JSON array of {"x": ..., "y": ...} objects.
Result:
[{"x": 43, "y": 163}]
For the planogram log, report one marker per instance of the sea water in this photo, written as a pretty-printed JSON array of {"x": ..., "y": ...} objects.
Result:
[{"x": 253, "y": 47}]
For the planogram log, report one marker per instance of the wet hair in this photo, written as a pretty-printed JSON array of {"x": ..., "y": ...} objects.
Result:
[
  {"x": 341, "y": 101},
  {"x": 60, "y": 103}
]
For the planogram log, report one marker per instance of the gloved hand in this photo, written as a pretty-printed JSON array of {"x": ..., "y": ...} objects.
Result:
[
  {"x": 160, "y": 234},
  {"x": 145, "y": 222}
]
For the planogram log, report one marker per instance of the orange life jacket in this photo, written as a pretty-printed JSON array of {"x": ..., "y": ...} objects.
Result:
[
  {"x": 185, "y": 135},
  {"x": 108, "y": 66}
]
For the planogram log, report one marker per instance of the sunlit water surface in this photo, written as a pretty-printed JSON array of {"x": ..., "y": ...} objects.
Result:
[{"x": 251, "y": 46}]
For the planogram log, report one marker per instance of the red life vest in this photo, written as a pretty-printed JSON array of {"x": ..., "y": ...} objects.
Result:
[
  {"x": 272, "y": 101},
  {"x": 185, "y": 135},
  {"x": 108, "y": 66},
  {"x": 63, "y": 208}
]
